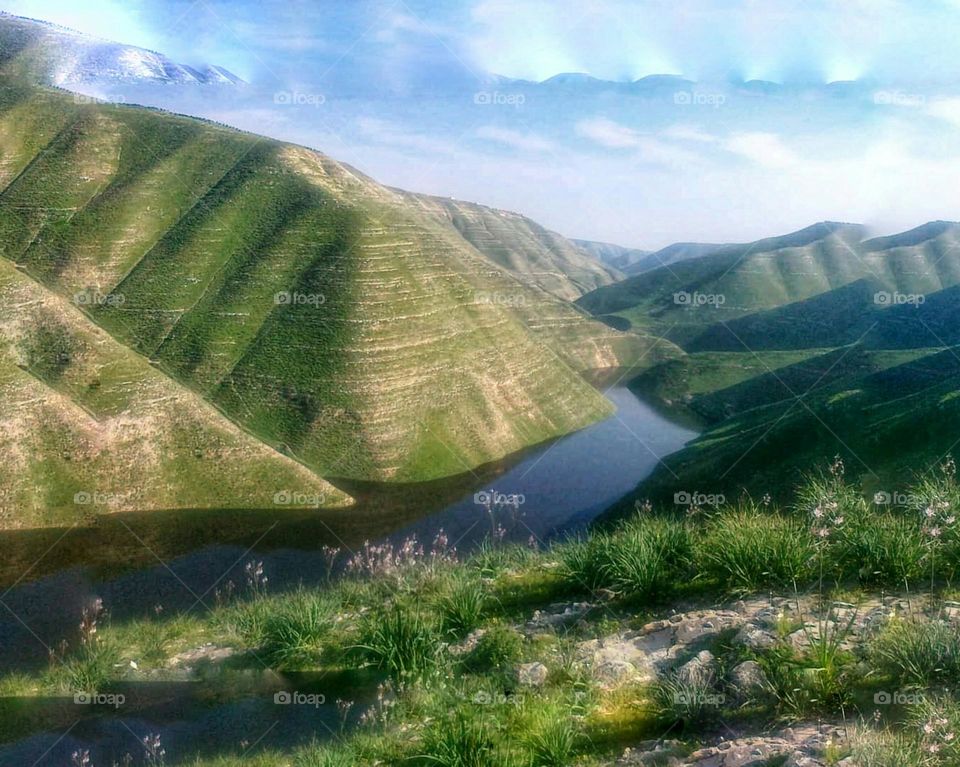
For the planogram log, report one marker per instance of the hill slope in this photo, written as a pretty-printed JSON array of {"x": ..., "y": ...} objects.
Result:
[
  {"x": 523, "y": 247},
  {"x": 88, "y": 426},
  {"x": 324, "y": 313},
  {"x": 735, "y": 282}
]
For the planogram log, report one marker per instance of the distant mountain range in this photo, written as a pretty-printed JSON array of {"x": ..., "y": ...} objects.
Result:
[
  {"x": 634, "y": 261},
  {"x": 817, "y": 343},
  {"x": 64, "y": 57}
]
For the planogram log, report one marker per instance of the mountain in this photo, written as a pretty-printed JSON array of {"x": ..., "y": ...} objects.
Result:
[
  {"x": 615, "y": 256},
  {"x": 340, "y": 323},
  {"x": 886, "y": 420},
  {"x": 63, "y": 57},
  {"x": 826, "y": 344},
  {"x": 528, "y": 251},
  {"x": 682, "y": 299},
  {"x": 672, "y": 254},
  {"x": 769, "y": 277}
]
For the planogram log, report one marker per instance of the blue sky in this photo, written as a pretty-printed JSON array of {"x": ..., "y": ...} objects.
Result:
[{"x": 861, "y": 125}]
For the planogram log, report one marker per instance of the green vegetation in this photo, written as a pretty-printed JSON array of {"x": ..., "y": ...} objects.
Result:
[
  {"x": 318, "y": 324},
  {"x": 438, "y": 646}
]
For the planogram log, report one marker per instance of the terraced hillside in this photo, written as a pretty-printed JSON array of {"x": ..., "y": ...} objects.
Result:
[
  {"x": 323, "y": 313},
  {"x": 523, "y": 247},
  {"x": 87, "y": 426},
  {"x": 738, "y": 281}
]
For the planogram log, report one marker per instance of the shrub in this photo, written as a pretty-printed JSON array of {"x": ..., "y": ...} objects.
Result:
[
  {"x": 645, "y": 559},
  {"x": 90, "y": 669},
  {"x": 460, "y": 741},
  {"x": 687, "y": 703},
  {"x": 462, "y": 610},
  {"x": 747, "y": 550},
  {"x": 881, "y": 549},
  {"x": 586, "y": 562},
  {"x": 402, "y": 642},
  {"x": 918, "y": 652},
  {"x": 497, "y": 649},
  {"x": 554, "y": 742},
  {"x": 293, "y": 636},
  {"x": 649, "y": 557}
]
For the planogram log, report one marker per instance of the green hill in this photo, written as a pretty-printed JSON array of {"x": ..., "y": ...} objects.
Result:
[
  {"x": 328, "y": 316},
  {"x": 863, "y": 310},
  {"x": 87, "y": 426},
  {"x": 521, "y": 246}
]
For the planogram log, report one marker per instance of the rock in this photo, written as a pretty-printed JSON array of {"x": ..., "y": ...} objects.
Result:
[
  {"x": 699, "y": 671},
  {"x": 755, "y": 637},
  {"x": 747, "y": 678},
  {"x": 208, "y": 653},
  {"x": 558, "y": 616},
  {"x": 467, "y": 644},
  {"x": 532, "y": 674},
  {"x": 614, "y": 671}
]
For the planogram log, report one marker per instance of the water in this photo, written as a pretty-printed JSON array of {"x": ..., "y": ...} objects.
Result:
[{"x": 179, "y": 560}]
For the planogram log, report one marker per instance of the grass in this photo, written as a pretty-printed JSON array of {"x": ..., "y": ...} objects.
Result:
[
  {"x": 919, "y": 653},
  {"x": 747, "y": 550},
  {"x": 401, "y": 641},
  {"x": 644, "y": 560},
  {"x": 383, "y": 635}
]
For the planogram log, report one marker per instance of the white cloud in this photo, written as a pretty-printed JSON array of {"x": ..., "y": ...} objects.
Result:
[
  {"x": 766, "y": 149},
  {"x": 946, "y": 109},
  {"x": 645, "y": 149},
  {"x": 526, "y": 142},
  {"x": 608, "y": 133},
  {"x": 689, "y": 133}
]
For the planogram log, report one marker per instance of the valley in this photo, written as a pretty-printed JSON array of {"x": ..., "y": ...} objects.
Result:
[{"x": 301, "y": 468}]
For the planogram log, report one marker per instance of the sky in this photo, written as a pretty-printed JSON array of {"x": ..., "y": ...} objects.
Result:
[{"x": 857, "y": 119}]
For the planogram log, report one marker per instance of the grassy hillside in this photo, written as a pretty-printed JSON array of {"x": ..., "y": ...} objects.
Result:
[
  {"x": 729, "y": 285},
  {"x": 888, "y": 414},
  {"x": 616, "y": 256},
  {"x": 735, "y": 282},
  {"x": 323, "y": 313},
  {"x": 860, "y": 311},
  {"x": 87, "y": 426},
  {"x": 523, "y": 247},
  {"x": 742, "y": 636}
]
